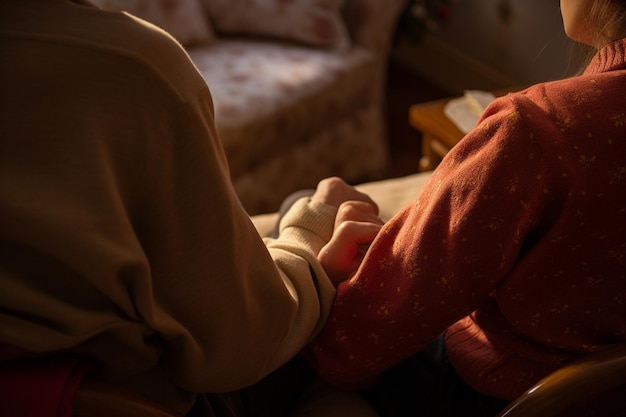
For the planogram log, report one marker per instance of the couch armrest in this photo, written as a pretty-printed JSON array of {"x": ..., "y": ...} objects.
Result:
[{"x": 372, "y": 23}]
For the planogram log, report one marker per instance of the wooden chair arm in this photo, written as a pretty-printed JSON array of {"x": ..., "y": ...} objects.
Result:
[{"x": 598, "y": 380}]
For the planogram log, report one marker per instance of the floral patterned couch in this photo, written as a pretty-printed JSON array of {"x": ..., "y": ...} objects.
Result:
[{"x": 298, "y": 85}]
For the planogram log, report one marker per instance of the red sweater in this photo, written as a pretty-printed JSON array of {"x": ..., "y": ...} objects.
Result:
[{"x": 515, "y": 248}]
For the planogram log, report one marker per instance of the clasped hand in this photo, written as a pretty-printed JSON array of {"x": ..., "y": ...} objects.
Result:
[{"x": 356, "y": 225}]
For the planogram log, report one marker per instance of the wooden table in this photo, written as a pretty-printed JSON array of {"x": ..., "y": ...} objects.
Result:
[{"x": 439, "y": 133}]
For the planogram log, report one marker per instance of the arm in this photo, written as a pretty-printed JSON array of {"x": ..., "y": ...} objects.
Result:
[
  {"x": 248, "y": 306},
  {"x": 442, "y": 256}
]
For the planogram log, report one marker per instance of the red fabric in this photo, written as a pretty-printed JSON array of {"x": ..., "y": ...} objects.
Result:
[
  {"x": 518, "y": 237},
  {"x": 40, "y": 388}
]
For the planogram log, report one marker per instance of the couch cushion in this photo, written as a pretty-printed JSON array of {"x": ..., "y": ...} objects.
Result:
[
  {"x": 314, "y": 22},
  {"x": 270, "y": 96},
  {"x": 185, "y": 20}
]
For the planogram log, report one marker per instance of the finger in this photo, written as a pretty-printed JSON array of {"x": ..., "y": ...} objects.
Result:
[
  {"x": 343, "y": 254},
  {"x": 357, "y": 233},
  {"x": 334, "y": 191},
  {"x": 357, "y": 211},
  {"x": 346, "y": 240},
  {"x": 346, "y": 251}
]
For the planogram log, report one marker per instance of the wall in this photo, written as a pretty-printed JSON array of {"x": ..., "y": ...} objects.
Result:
[{"x": 490, "y": 44}]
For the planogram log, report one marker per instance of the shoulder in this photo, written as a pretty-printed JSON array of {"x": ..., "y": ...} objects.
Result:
[
  {"x": 517, "y": 133},
  {"x": 571, "y": 101},
  {"x": 552, "y": 109},
  {"x": 150, "y": 48},
  {"x": 98, "y": 36}
]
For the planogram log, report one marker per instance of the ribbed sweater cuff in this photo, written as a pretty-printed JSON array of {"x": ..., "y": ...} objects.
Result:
[{"x": 309, "y": 222}]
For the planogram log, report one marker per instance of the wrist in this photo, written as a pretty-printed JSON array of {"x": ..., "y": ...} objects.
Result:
[{"x": 309, "y": 220}]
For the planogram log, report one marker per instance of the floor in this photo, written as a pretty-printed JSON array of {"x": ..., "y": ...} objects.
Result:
[{"x": 404, "y": 88}]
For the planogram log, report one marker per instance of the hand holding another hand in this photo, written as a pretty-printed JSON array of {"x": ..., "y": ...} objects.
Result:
[{"x": 356, "y": 225}]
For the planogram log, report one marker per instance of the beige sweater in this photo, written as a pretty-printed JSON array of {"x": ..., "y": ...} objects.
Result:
[{"x": 121, "y": 237}]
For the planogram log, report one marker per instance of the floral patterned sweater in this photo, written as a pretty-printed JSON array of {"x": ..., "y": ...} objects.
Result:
[{"x": 515, "y": 249}]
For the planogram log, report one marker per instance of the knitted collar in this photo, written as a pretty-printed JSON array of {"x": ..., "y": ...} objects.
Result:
[{"x": 610, "y": 58}]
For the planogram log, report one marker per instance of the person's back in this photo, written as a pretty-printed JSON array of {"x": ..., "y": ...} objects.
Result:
[
  {"x": 121, "y": 238},
  {"x": 79, "y": 90}
]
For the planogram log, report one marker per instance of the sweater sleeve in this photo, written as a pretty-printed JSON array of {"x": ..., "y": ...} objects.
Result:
[
  {"x": 227, "y": 307},
  {"x": 443, "y": 255}
]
